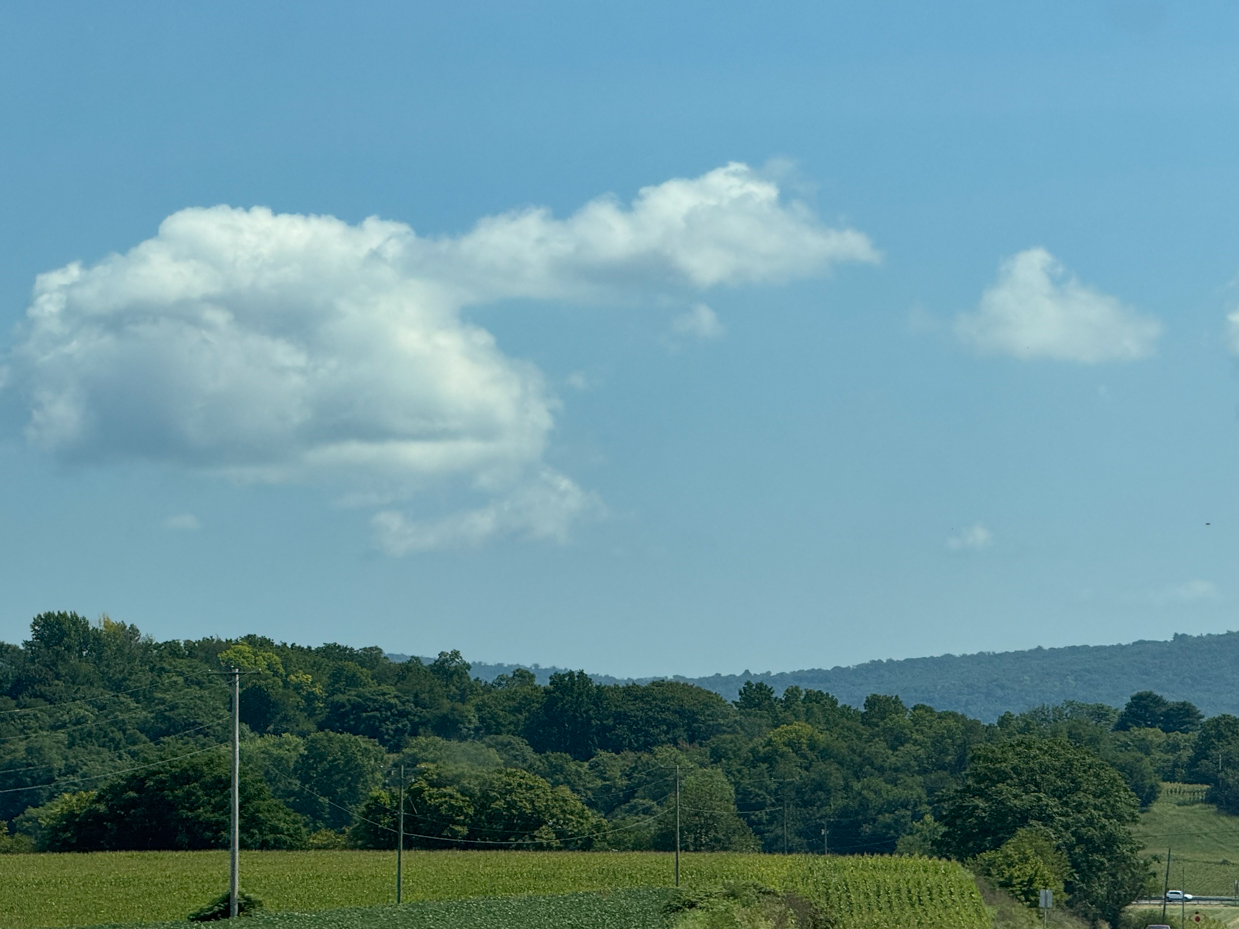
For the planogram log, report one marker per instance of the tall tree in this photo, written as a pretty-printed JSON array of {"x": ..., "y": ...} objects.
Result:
[
  {"x": 1068, "y": 792},
  {"x": 337, "y": 771}
]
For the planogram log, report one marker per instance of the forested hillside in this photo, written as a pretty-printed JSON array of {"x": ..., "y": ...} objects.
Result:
[
  {"x": 1203, "y": 669},
  {"x": 110, "y": 740}
]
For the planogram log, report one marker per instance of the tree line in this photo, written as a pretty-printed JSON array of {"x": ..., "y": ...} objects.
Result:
[{"x": 111, "y": 740}]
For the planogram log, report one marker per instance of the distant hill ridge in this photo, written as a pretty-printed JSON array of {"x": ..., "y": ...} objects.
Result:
[{"x": 1203, "y": 669}]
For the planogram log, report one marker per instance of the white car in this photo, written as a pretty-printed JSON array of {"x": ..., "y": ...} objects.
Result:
[{"x": 1175, "y": 896}]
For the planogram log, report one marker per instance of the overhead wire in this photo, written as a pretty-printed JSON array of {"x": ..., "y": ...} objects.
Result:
[
  {"x": 511, "y": 842},
  {"x": 119, "y": 751},
  {"x": 56, "y": 706},
  {"x": 94, "y": 722},
  {"x": 98, "y": 777}
]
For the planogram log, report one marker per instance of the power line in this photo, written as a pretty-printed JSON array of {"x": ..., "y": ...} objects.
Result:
[
  {"x": 510, "y": 842},
  {"x": 56, "y": 706},
  {"x": 171, "y": 735},
  {"x": 97, "y": 777},
  {"x": 94, "y": 722}
]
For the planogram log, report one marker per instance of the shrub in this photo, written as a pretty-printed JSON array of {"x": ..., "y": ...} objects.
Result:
[{"x": 220, "y": 907}]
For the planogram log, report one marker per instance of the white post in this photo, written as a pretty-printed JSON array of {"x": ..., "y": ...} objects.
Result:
[
  {"x": 400, "y": 842},
  {"x": 234, "y": 884},
  {"x": 677, "y": 825}
]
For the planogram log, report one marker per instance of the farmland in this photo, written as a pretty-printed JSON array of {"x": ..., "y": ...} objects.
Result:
[
  {"x": 625, "y": 909},
  {"x": 126, "y": 888},
  {"x": 1204, "y": 844}
]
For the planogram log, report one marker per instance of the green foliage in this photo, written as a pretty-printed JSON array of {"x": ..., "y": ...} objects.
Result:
[
  {"x": 517, "y": 806},
  {"x": 221, "y": 907},
  {"x": 379, "y": 713},
  {"x": 503, "y": 807},
  {"x": 1149, "y": 710},
  {"x": 336, "y": 771},
  {"x": 1069, "y": 793},
  {"x": 11, "y": 844},
  {"x": 325, "y": 728},
  {"x": 1026, "y": 864},
  {"x": 1205, "y": 840},
  {"x": 924, "y": 839},
  {"x": 745, "y": 906},
  {"x": 567, "y": 719},
  {"x": 708, "y": 818},
  {"x": 182, "y": 805}
]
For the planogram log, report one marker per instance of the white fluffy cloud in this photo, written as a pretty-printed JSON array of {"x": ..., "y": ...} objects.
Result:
[
  {"x": 276, "y": 347},
  {"x": 971, "y": 538},
  {"x": 182, "y": 522},
  {"x": 1038, "y": 310}
]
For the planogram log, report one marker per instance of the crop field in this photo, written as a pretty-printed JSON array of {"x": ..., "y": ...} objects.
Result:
[
  {"x": 126, "y": 888},
  {"x": 624, "y": 909},
  {"x": 1204, "y": 844}
]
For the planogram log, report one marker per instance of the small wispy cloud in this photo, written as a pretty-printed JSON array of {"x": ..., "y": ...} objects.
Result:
[
  {"x": 543, "y": 511},
  {"x": 1232, "y": 331},
  {"x": 1195, "y": 591},
  {"x": 182, "y": 522},
  {"x": 971, "y": 538},
  {"x": 698, "y": 322},
  {"x": 581, "y": 380}
]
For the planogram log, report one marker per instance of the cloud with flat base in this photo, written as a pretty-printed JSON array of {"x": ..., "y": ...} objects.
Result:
[{"x": 278, "y": 348}]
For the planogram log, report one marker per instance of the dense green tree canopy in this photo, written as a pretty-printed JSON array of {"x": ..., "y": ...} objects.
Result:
[
  {"x": 336, "y": 771},
  {"x": 94, "y": 715},
  {"x": 1067, "y": 792},
  {"x": 183, "y": 805}
]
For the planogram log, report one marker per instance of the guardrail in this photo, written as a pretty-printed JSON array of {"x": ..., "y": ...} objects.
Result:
[{"x": 1202, "y": 901}]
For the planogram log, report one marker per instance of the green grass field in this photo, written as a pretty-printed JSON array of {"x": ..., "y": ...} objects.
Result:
[
  {"x": 1204, "y": 844},
  {"x": 126, "y": 888}
]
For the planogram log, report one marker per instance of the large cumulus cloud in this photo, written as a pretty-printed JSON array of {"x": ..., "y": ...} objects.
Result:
[{"x": 277, "y": 347}]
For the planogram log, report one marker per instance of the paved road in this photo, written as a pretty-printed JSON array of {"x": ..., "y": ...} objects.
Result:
[{"x": 1202, "y": 901}]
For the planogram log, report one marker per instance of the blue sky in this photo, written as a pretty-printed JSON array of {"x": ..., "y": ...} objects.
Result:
[{"x": 686, "y": 337}]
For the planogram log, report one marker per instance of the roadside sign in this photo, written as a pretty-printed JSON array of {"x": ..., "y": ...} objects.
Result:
[{"x": 1047, "y": 899}]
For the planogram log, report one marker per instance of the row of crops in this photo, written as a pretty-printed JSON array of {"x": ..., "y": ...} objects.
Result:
[{"x": 126, "y": 888}]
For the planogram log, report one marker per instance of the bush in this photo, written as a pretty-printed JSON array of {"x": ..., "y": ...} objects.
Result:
[
  {"x": 742, "y": 906},
  {"x": 184, "y": 805},
  {"x": 1024, "y": 865},
  {"x": 220, "y": 907},
  {"x": 13, "y": 844}
]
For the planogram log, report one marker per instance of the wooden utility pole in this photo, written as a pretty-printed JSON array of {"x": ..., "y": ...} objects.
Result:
[{"x": 785, "y": 817}]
